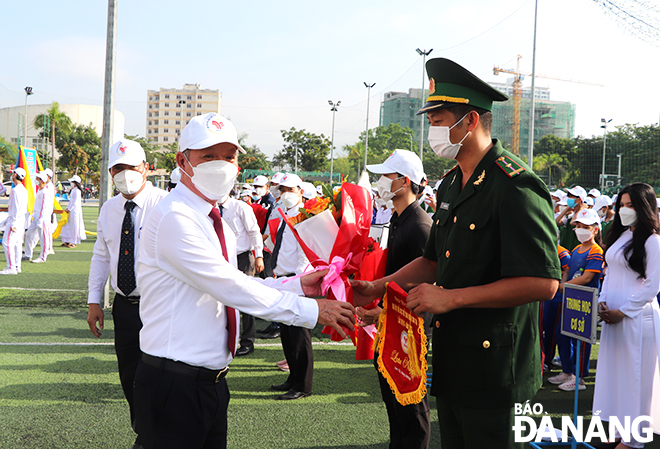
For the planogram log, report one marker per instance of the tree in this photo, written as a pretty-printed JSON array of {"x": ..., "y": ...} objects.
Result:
[
  {"x": 81, "y": 150},
  {"x": 253, "y": 158},
  {"x": 312, "y": 150},
  {"x": 58, "y": 123},
  {"x": 8, "y": 152}
]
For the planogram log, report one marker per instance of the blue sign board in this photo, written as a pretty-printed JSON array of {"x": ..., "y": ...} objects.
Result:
[{"x": 579, "y": 312}]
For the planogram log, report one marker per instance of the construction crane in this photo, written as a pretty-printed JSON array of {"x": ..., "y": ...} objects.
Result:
[{"x": 517, "y": 96}]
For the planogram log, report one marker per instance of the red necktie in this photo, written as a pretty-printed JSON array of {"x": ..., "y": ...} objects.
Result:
[{"x": 231, "y": 312}]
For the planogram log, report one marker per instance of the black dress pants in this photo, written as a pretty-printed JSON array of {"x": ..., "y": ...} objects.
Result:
[
  {"x": 126, "y": 319},
  {"x": 297, "y": 345},
  {"x": 176, "y": 412},
  {"x": 410, "y": 425}
]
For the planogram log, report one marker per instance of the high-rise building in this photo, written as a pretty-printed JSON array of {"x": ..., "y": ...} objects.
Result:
[
  {"x": 401, "y": 107},
  {"x": 169, "y": 110},
  {"x": 550, "y": 117}
]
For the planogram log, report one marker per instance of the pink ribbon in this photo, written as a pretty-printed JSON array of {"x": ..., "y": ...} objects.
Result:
[{"x": 332, "y": 280}]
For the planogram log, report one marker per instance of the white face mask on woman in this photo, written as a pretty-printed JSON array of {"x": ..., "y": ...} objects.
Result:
[
  {"x": 441, "y": 143},
  {"x": 628, "y": 216},
  {"x": 214, "y": 179},
  {"x": 289, "y": 199},
  {"x": 128, "y": 181}
]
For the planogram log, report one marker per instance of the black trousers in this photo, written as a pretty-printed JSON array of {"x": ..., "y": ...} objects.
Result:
[
  {"x": 475, "y": 428},
  {"x": 297, "y": 345},
  {"x": 126, "y": 319},
  {"x": 175, "y": 412},
  {"x": 248, "y": 322},
  {"x": 410, "y": 425}
]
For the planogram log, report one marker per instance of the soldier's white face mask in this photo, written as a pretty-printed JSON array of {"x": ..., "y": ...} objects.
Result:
[{"x": 441, "y": 143}]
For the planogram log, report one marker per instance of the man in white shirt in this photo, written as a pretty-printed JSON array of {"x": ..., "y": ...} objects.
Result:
[
  {"x": 49, "y": 197},
  {"x": 240, "y": 217},
  {"x": 12, "y": 239},
  {"x": 289, "y": 260},
  {"x": 40, "y": 226},
  {"x": 191, "y": 289},
  {"x": 117, "y": 242}
]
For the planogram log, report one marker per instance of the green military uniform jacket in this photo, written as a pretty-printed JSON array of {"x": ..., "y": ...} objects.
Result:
[{"x": 499, "y": 225}]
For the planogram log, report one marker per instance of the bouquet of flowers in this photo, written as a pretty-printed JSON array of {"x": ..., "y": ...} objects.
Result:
[{"x": 333, "y": 232}]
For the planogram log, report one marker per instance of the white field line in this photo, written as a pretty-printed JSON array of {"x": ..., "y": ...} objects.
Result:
[
  {"x": 263, "y": 345},
  {"x": 43, "y": 289}
]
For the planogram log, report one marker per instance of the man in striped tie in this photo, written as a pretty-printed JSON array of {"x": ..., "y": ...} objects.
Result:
[{"x": 192, "y": 292}]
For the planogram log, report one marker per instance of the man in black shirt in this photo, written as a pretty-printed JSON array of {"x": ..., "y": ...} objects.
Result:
[{"x": 402, "y": 173}]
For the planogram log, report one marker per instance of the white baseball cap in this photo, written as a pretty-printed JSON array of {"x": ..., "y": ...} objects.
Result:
[
  {"x": 75, "y": 178},
  {"x": 175, "y": 176},
  {"x": 319, "y": 190},
  {"x": 48, "y": 172},
  {"x": 20, "y": 172},
  {"x": 291, "y": 180},
  {"x": 559, "y": 194},
  {"x": 401, "y": 161},
  {"x": 589, "y": 201},
  {"x": 126, "y": 152},
  {"x": 42, "y": 176},
  {"x": 207, "y": 130},
  {"x": 259, "y": 181},
  {"x": 579, "y": 192},
  {"x": 588, "y": 217},
  {"x": 594, "y": 192},
  {"x": 277, "y": 177},
  {"x": 602, "y": 201},
  {"x": 309, "y": 191},
  {"x": 657, "y": 202}
]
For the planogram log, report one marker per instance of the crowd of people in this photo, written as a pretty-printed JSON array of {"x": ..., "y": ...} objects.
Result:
[{"x": 481, "y": 255}]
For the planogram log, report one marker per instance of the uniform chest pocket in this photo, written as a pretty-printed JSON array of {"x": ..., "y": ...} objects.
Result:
[{"x": 474, "y": 234}]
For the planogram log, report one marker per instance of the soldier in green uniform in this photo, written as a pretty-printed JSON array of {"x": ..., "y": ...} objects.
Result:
[{"x": 491, "y": 255}]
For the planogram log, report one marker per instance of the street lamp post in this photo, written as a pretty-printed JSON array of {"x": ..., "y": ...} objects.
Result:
[
  {"x": 366, "y": 137},
  {"x": 602, "y": 173},
  {"x": 332, "y": 147},
  {"x": 423, "y": 54},
  {"x": 411, "y": 140},
  {"x": 618, "y": 175},
  {"x": 28, "y": 92}
]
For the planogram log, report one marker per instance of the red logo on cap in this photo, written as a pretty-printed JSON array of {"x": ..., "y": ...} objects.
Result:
[
  {"x": 218, "y": 125},
  {"x": 122, "y": 149}
]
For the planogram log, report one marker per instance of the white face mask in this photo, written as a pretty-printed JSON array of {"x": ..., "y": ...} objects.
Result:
[
  {"x": 384, "y": 186},
  {"x": 275, "y": 191},
  {"x": 289, "y": 199},
  {"x": 128, "y": 182},
  {"x": 583, "y": 235},
  {"x": 260, "y": 191},
  {"x": 214, "y": 179},
  {"x": 441, "y": 143},
  {"x": 380, "y": 202},
  {"x": 628, "y": 216}
]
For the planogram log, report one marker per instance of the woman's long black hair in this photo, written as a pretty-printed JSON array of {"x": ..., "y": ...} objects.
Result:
[{"x": 643, "y": 199}]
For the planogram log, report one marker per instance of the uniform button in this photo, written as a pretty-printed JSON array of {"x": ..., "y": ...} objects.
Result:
[
  {"x": 447, "y": 254},
  {"x": 486, "y": 344},
  {"x": 437, "y": 223},
  {"x": 472, "y": 226},
  {"x": 455, "y": 218},
  {"x": 437, "y": 324}
]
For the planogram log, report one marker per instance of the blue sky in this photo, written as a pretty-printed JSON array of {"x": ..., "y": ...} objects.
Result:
[{"x": 278, "y": 63}]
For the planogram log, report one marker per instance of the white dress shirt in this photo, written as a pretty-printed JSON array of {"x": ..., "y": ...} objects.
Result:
[
  {"x": 240, "y": 217},
  {"x": 291, "y": 258},
  {"x": 185, "y": 282},
  {"x": 18, "y": 203},
  {"x": 108, "y": 237}
]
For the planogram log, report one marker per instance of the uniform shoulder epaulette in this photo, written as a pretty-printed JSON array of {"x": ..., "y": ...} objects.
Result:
[
  {"x": 509, "y": 166},
  {"x": 450, "y": 170}
]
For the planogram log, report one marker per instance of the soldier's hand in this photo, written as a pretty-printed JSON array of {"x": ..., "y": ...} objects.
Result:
[
  {"x": 258, "y": 265},
  {"x": 429, "y": 298},
  {"x": 95, "y": 315},
  {"x": 336, "y": 314},
  {"x": 364, "y": 292},
  {"x": 311, "y": 283}
]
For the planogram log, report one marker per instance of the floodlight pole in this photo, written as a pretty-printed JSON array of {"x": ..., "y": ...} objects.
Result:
[
  {"x": 366, "y": 136},
  {"x": 423, "y": 54},
  {"x": 108, "y": 114},
  {"x": 28, "y": 92},
  {"x": 332, "y": 148},
  {"x": 602, "y": 172},
  {"x": 532, "y": 105}
]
